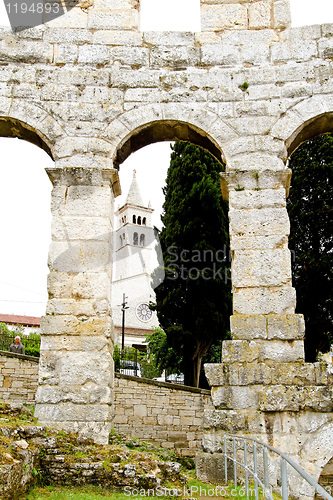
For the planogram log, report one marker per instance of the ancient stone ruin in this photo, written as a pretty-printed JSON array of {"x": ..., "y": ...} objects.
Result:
[{"x": 90, "y": 88}]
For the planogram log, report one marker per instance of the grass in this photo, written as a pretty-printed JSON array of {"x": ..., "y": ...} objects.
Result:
[{"x": 196, "y": 490}]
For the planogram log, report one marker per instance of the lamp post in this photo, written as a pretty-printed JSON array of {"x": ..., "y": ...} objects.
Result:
[{"x": 123, "y": 308}]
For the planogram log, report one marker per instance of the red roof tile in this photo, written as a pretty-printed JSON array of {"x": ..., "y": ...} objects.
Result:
[{"x": 13, "y": 319}]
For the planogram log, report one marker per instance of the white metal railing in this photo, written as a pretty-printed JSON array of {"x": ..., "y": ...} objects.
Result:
[{"x": 241, "y": 446}]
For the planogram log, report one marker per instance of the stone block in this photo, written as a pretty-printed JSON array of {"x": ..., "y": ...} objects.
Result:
[
  {"x": 227, "y": 420},
  {"x": 93, "y": 54},
  {"x": 130, "y": 56},
  {"x": 295, "y": 49},
  {"x": 220, "y": 17},
  {"x": 293, "y": 373},
  {"x": 140, "y": 410},
  {"x": 70, "y": 325},
  {"x": 88, "y": 285},
  {"x": 210, "y": 468},
  {"x": 271, "y": 300},
  {"x": 235, "y": 397},
  {"x": 114, "y": 19},
  {"x": 281, "y": 14},
  {"x": 248, "y": 351},
  {"x": 226, "y": 55},
  {"x": 68, "y": 36},
  {"x": 288, "y": 327},
  {"x": 240, "y": 351},
  {"x": 70, "y": 306},
  {"x": 251, "y": 199},
  {"x": 247, "y": 327},
  {"x": 137, "y": 78},
  {"x": 254, "y": 180},
  {"x": 65, "y": 54},
  {"x": 79, "y": 256},
  {"x": 67, "y": 412},
  {"x": 168, "y": 38},
  {"x": 279, "y": 398},
  {"x": 214, "y": 374},
  {"x": 259, "y": 15},
  {"x": 261, "y": 268},
  {"x": 174, "y": 57},
  {"x": 253, "y": 374},
  {"x": 127, "y": 38},
  {"x": 256, "y": 162},
  {"x": 282, "y": 351},
  {"x": 25, "y": 51},
  {"x": 239, "y": 242},
  {"x": 259, "y": 222},
  {"x": 317, "y": 399},
  {"x": 81, "y": 228}
]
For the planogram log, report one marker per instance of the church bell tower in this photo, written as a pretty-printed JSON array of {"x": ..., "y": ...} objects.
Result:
[{"x": 134, "y": 249}]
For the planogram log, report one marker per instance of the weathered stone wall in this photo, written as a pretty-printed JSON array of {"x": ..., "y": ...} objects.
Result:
[
  {"x": 169, "y": 415},
  {"x": 18, "y": 377},
  {"x": 90, "y": 89},
  {"x": 287, "y": 404}
]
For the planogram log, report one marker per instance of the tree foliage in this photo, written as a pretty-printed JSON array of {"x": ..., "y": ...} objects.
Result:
[
  {"x": 193, "y": 302},
  {"x": 311, "y": 241}
]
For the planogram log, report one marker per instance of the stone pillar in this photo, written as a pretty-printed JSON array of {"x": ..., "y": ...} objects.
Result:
[
  {"x": 76, "y": 367},
  {"x": 263, "y": 297}
]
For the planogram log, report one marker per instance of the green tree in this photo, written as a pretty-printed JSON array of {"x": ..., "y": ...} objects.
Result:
[
  {"x": 310, "y": 211},
  {"x": 193, "y": 302}
]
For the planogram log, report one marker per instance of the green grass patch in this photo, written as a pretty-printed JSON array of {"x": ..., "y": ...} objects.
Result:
[{"x": 196, "y": 490}]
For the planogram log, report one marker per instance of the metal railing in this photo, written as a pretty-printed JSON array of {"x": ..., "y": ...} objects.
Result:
[{"x": 259, "y": 465}]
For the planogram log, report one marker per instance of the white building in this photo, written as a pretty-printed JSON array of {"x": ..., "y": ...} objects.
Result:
[{"x": 135, "y": 250}]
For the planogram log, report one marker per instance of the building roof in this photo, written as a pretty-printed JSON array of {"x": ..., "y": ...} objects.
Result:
[
  {"x": 134, "y": 196},
  {"x": 13, "y": 319}
]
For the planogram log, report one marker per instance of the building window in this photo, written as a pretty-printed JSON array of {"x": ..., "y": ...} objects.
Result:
[
  {"x": 135, "y": 239},
  {"x": 139, "y": 220},
  {"x": 121, "y": 241},
  {"x": 144, "y": 221},
  {"x": 142, "y": 240},
  {"x": 134, "y": 219}
]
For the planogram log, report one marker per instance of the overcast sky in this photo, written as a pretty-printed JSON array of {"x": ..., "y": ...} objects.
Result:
[{"x": 25, "y": 188}]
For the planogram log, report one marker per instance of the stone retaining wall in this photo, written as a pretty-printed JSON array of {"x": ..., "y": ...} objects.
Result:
[
  {"x": 170, "y": 415},
  {"x": 18, "y": 377}
]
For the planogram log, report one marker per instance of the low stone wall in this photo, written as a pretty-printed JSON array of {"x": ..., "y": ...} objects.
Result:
[
  {"x": 18, "y": 377},
  {"x": 169, "y": 415}
]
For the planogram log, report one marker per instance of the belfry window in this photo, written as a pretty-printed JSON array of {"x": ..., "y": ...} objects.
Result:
[
  {"x": 135, "y": 239},
  {"x": 144, "y": 221},
  {"x": 142, "y": 240},
  {"x": 139, "y": 220},
  {"x": 134, "y": 219}
]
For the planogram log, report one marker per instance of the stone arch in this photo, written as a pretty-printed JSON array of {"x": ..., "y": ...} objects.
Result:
[
  {"x": 317, "y": 451},
  {"x": 305, "y": 120},
  {"x": 31, "y": 123},
  {"x": 168, "y": 122}
]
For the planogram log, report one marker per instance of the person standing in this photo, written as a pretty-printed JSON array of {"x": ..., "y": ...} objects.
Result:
[{"x": 16, "y": 346}]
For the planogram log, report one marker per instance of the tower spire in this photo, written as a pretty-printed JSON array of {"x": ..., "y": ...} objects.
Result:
[{"x": 134, "y": 195}]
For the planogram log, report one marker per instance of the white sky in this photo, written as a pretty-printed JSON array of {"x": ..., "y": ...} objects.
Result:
[{"x": 25, "y": 188}]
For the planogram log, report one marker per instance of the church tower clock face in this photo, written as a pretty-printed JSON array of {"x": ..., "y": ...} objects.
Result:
[{"x": 143, "y": 312}]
